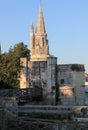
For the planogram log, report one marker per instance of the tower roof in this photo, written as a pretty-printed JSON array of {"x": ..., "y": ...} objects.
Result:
[{"x": 40, "y": 28}]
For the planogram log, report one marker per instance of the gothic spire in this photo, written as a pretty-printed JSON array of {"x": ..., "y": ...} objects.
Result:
[{"x": 40, "y": 28}]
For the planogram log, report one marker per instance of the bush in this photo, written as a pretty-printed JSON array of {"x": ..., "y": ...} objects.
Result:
[{"x": 77, "y": 67}]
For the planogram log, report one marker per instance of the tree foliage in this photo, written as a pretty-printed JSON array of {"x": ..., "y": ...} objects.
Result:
[{"x": 10, "y": 65}]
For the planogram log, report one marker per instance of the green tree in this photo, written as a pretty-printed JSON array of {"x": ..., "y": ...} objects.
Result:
[{"x": 10, "y": 65}]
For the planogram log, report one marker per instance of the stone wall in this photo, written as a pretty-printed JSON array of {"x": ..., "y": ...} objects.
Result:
[
  {"x": 73, "y": 75},
  {"x": 67, "y": 95},
  {"x": 37, "y": 73},
  {"x": 44, "y": 74},
  {"x": 24, "y": 73},
  {"x": 51, "y": 79}
]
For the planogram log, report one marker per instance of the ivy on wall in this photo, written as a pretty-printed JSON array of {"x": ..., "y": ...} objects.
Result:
[{"x": 76, "y": 67}]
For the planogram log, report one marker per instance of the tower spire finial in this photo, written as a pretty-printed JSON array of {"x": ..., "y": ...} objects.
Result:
[
  {"x": 40, "y": 28},
  {"x": 40, "y": 2}
]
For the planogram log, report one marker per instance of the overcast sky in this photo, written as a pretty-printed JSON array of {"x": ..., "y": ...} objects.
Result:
[{"x": 66, "y": 23}]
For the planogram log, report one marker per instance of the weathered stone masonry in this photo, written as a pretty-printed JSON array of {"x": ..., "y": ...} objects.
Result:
[{"x": 39, "y": 69}]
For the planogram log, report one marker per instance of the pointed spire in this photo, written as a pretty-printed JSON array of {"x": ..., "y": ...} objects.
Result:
[
  {"x": 40, "y": 28},
  {"x": 41, "y": 3},
  {"x": 31, "y": 28}
]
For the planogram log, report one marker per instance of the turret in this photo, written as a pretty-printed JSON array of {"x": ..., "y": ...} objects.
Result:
[
  {"x": 31, "y": 37},
  {"x": 31, "y": 28}
]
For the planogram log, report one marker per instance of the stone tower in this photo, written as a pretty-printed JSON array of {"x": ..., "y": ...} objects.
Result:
[
  {"x": 39, "y": 49},
  {"x": 41, "y": 69}
]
